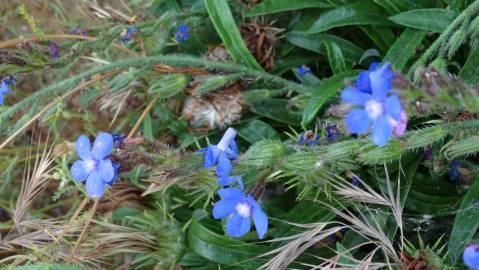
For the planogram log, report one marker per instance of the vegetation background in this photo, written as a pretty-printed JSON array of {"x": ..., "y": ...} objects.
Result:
[{"x": 172, "y": 75}]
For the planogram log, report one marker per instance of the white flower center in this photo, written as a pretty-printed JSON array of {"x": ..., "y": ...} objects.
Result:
[
  {"x": 90, "y": 165},
  {"x": 374, "y": 108},
  {"x": 243, "y": 209}
]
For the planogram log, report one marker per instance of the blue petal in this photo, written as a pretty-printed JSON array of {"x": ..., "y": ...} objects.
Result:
[
  {"x": 357, "y": 121},
  {"x": 102, "y": 146},
  {"x": 211, "y": 156},
  {"x": 1, "y": 98},
  {"x": 382, "y": 131},
  {"x": 4, "y": 88},
  {"x": 228, "y": 180},
  {"x": 230, "y": 193},
  {"x": 95, "y": 187},
  {"x": 224, "y": 166},
  {"x": 224, "y": 208},
  {"x": 78, "y": 171},
  {"x": 106, "y": 170},
  {"x": 381, "y": 81},
  {"x": 393, "y": 107},
  {"x": 354, "y": 96},
  {"x": 471, "y": 256},
  {"x": 237, "y": 226},
  {"x": 82, "y": 146},
  {"x": 259, "y": 218},
  {"x": 227, "y": 139},
  {"x": 363, "y": 83}
]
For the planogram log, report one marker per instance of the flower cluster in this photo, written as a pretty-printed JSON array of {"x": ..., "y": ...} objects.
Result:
[
  {"x": 182, "y": 33},
  {"x": 4, "y": 87},
  {"x": 377, "y": 109},
  {"x": 471, "y": 257},
  {"x": 53, "y": 49},
  {"x": 234, "y": 205},
  {"x": 128, "y": 34},
  {"x": 94, "y": 167}
]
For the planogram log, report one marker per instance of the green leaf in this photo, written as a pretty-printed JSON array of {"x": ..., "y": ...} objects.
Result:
[
  {"x": 277, "y": 109},
  {"x": 430, "y": 19},
  {"x": 469, "y": 72},
  {"x": 315, "y": 43},
  {"x": 222, "y": 249},
  {"x": 466, "y": 223},
  {"x": 404, "y": 47},
  {"x": 168, "y": 85},
  {"x": 397, "y": 6},
  {"x": 275, "y": 6},
  {"x": 324, "y": 92},
  {"x": 345, "y": 257},
  {"x": 148, "y": 127},
  {"x": 359, "y": 13},
  {"x": 257, "y": 130},
  {"x": 263, "y": 153},
  {"x": 335, "y": 57},
  {"x": 382, "y": 36},
  {"x": 220, "y": 15}
]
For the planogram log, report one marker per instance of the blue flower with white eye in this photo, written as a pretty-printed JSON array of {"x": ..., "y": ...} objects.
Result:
[
  {"x": 471, "y": 256},
  {"x": 4, "y": 87},
  {"x": 239, "y": 209},
  {"x": 93, "y": 166},
  {"x": 303, "y": 70},
  {"x": 377, "y": 108},
  {"x": 221, "y": 154},
  {"x": 183, "y": 33}
]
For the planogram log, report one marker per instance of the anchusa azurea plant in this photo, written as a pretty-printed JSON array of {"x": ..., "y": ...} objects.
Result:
[
  {"x": 235, "y": 206},
  {"x": 378, "y": 107},
  {"x": 95, "y": 168}
]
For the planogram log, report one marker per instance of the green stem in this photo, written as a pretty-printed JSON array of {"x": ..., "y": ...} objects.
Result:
[
  {"x": 173, "y": 60},
  {"x": 436, "y": 45}
]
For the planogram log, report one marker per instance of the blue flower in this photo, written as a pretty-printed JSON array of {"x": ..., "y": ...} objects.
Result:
[
  {"x": 221, "y": 153},
  {"x": 309, "y": 137},
  {"x": 4, "y": 87},
  {"x": 239, "y": 209},
  {"x": 454, "y": 172},
  {"x": 78, "y": 31},
  {"x": 228, "y": 180},
  {"x": 378, "y": 109},
  {"x": 182, "y": 33},
  {"x": 93, "y": 167},
  {"x": 355, "y": 181},
  {"x": 130, "y": 31},
  {"x": 332, "y": 132},
  {"x": 303, "y": 70},
  {"x": 116, "y": 174},
  {"x": 471, "y": 256},
  {"x": 53, "y": 49},
  {"x": 363, "y": 83}
]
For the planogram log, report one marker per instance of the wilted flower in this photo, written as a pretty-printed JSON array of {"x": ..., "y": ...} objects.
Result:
[
  {"x": 53, "y": 49},
  {"x": 118, "y": 140},
  {"x": 239, "y": 209},
  {"x": 471, "y": 256},
  {"x": 332, "y": 132},
  {"x": 309, "y": 137},
  {"x": 4, "y": 87},
  {"x": 130, "y": 31},
  {"x": 221, "y": 153},
  {"x": 94, "y": 167},
  {"x": 454, "y": 172},
  {"x": 183, "y": 33},
  {"x": 303, "y": 70},
  {"x": 378, "y": 109}
]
